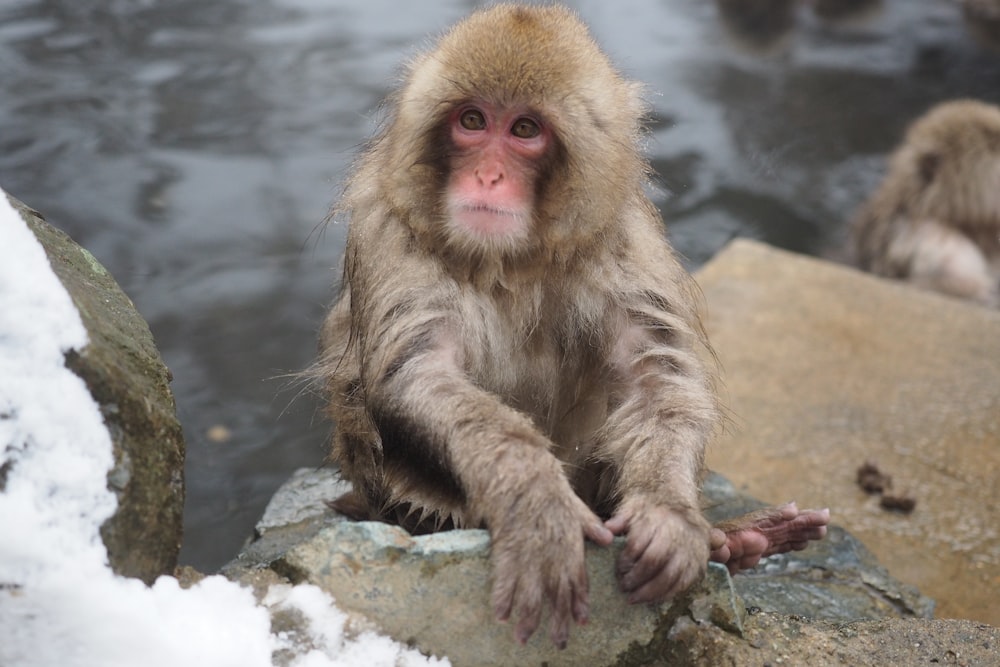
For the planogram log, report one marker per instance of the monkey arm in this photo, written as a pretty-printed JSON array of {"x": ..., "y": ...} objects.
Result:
[
  {"x": 663, "y": 410},
  {"x": 663, "y": 413},
  {"x": 663, "y": 407},
  {"x": 437, "y": 427},
  {"x": 436, "y": 422},
  {"x": 441, "y": 428}
]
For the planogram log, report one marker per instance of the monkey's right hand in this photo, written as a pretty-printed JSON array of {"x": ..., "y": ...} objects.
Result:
[{"x": 538, "y": 557}]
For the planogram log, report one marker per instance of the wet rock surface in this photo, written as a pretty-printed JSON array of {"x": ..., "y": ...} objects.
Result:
[
  {"x": 827, "y": 369},
  {"x": 127, "y": 378},
  {"x": 836, "y": 579},
  {"x": 776, "y": 639},
  {"x": 432, "y": 591},
  {"x": 831, "y": 604}
]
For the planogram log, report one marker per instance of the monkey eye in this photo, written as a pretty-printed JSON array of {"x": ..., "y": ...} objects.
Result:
[
  {"x": 525, "y": 128},
  {"x": 472, "y": 119}
]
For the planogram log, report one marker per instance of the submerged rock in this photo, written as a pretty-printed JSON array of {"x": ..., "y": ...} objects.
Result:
[{"x": 127, "y": 378}]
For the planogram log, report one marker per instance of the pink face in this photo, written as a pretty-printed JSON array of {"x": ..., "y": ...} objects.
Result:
[{"x": 493, "y": 172}]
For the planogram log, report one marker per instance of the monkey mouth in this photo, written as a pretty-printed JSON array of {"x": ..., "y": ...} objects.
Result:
[
  {"x": 486, "y": 208},
  {"x": 485, "y": 220}
]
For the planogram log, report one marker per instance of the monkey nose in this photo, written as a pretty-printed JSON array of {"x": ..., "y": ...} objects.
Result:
[{"x": 489, "y": 177}]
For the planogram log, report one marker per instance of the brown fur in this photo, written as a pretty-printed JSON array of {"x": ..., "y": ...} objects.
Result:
[
  {"x": 935, "y": 220},
  {"x": 535, "y": 386}
]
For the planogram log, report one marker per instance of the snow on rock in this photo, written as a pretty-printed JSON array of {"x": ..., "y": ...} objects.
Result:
[{"x": 60, "y": 603}]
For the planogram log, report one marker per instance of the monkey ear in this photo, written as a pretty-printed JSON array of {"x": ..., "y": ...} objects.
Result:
[{"x": 927, "y": 165}]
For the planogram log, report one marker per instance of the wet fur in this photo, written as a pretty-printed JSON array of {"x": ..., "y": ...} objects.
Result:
[
  {"x": 935, "y": 220},
  {"x": 495, "y": 385}
]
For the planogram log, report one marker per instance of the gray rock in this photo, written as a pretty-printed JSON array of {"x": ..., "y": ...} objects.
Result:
[
  {"x": 432, "y": 591},
  {"x": 776, "y": 639},
  {"x": 127, "y": 378},
  {"x": 827, "y": 368},
  {"x": 301, "y": 499},
  {"x": 836, "y": 579}
]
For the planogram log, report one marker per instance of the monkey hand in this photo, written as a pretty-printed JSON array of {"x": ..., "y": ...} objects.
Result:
[
  {"x": 538, "y": 559},
  {"x": 666, "y": 549},
  {"x": 741, "y": 542}
]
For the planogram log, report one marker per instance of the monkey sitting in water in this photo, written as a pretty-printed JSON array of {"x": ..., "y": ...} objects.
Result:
[
  {"x": 515, "y": 343},
  {"x": 935, "y": 220}
]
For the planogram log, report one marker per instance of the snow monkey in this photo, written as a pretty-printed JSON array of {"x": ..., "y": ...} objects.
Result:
[
  {"x": 515, "y": 345},
  {"x": 935, "y": 220}
]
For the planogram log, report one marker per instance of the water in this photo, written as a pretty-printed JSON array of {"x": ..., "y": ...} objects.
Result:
[{"x": 194, "y": 146}]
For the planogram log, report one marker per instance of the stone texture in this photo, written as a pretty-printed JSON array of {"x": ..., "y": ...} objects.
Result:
[
  {"x": 836, "y": 579},
  {"x": 127, "y": 378},
  {"x": 826, "y": 368},
  {"x": 301, "y": 499},
  {"x": 432, "y": 591},
  {"x": 776, "y": 639}
]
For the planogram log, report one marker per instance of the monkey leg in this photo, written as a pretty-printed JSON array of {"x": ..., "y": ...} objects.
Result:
[{"x": 741, "y": 542}]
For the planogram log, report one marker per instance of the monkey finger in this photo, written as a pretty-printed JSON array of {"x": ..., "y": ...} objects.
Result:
[
  {"x": 505, "y": 589},
  {"x": 811, "y": 533},
  {"x": 618, "y": 524},
  {"x": 810, "y": 519},
  {"x": 664, "y": 584},
  {"x": 818, "y": 517},
  {"x": 716, "y": 539},
  {"x": 638, "y": 541},
  {"x": 503, "y": 602},
  {"x": 529, "y": 616},
  {"x": 721, "y": 555},
  {"x": 745, "y": 563},
  {"x": 598, "y": 533},
  {"x": 579, "y": 587},
  {"x": 639, "y": 576},
  {"x": 581, "y": 606},
  {"x": 634, "y": 573},
  {"x": 593, "y": 528},
  {"x": 562, "y": 604}
]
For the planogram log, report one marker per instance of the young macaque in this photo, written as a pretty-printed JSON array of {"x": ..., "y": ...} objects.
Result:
[
  {"x": 935, "y": 220},
  {"x": 515, "y": 345}
]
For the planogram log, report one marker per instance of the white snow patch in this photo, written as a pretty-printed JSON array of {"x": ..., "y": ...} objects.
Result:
[{"x": 60, "y": 603}]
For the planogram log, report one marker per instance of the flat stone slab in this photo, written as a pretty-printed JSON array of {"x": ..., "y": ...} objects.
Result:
[
  {"x": 432, "y": 592},
  {"x": 825, "y": 368}
]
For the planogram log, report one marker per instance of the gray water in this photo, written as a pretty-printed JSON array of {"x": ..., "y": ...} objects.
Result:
[{"x": 194, "y": 146}]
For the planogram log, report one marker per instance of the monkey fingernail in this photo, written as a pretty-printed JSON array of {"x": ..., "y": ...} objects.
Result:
[{"x": 581, "y": 613}]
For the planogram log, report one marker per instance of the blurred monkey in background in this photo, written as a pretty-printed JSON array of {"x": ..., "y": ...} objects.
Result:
[{"x": 935, "y": 219}]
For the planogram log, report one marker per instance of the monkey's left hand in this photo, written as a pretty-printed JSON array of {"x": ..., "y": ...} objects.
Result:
[{"x": 666, "y": 549}]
